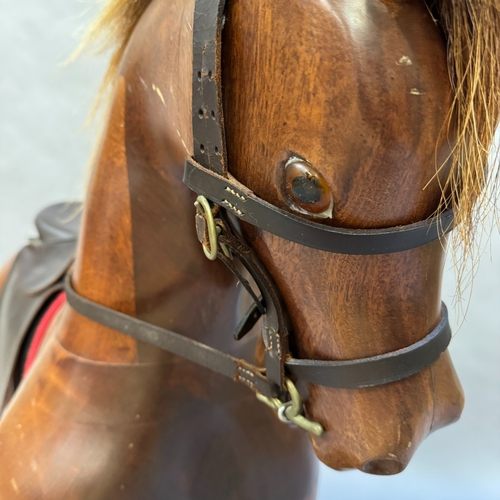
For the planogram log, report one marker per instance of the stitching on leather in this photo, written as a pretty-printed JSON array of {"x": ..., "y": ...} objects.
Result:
[
  {"x": 233, "y": 207},
  {"x": 278, "y": 343},
  {"x": 271, "y": 332},
  {"x": 233, "y": 192},
  {"x": 245, "y": 373},
  {"x": 269, "y": 338},
  {"x": 248, "y": 382}
]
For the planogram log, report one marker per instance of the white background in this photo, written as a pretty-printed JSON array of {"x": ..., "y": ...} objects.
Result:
[{"x": 43, "y": 152}]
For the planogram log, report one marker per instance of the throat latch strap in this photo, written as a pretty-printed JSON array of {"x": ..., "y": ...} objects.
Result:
[{"x": 201, "y": 354}]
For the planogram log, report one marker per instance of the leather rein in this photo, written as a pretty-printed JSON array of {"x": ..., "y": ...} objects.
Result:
[{"x": 207, "y": 175}]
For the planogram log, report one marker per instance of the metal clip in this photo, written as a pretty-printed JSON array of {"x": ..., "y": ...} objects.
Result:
[{"x": 290, "y": 412}]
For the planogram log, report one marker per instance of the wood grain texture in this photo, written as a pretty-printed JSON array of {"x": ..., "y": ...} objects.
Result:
[
  {"x": 102, "y": 416},
  {"x": 360, "y": 90}
]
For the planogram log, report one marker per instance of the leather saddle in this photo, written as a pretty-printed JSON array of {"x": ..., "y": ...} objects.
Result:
[{"x": 35, "y": 278}]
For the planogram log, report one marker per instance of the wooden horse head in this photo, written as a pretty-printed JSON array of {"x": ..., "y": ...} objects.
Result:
[
  {"x": 355, "y": 95},
  {"x": 352, "y": 97},
  {"x": 333, "y": 114}
]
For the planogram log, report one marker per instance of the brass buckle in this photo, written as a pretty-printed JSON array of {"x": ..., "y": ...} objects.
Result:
[
  {"x": 290, "y": 412},
  {"x": 203, "y": 206}
]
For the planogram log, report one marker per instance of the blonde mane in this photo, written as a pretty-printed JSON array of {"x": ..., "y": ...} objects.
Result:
[
  {"x": 111, "y": 31},
  {"x": 472, "y": 31}
]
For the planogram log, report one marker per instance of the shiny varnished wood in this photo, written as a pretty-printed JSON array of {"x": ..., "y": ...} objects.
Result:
[
  {"x": 105, "y": 417},
  {"x": 361, "y": 96}
]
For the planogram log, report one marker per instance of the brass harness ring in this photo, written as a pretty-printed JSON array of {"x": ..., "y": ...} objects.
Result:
[{"x": 203, "y": 206}]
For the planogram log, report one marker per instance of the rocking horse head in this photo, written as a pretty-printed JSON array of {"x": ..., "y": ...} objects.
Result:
[
  {"x": 334, "y": 112},
  {"x": 317, "y": 122}
]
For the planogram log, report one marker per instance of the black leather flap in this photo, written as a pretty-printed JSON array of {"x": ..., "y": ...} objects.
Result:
[
  {"x": 43, "y": 265},
  {"x": 59, "y": 222}
]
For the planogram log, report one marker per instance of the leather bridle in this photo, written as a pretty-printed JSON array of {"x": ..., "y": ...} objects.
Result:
[{"x": 207, "y": 175}]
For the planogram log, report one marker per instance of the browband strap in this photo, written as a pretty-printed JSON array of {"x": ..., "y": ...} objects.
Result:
[
  {"x": 352, "y": 374},
  {"x": 228, "y": 193}
]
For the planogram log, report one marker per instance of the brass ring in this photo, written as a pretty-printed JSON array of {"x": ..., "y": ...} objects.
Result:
[{"x": 202, "y": 202}]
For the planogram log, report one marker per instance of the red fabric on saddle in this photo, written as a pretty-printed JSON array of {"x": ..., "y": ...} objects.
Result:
[{"x": 41, "y": 330}]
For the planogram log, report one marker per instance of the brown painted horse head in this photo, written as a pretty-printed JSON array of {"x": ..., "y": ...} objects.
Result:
[
  {"x": 352, "y": 94},
  {"x": 359, "y": 92}
]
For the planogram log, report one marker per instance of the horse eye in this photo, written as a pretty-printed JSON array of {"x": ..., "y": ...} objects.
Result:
[{"x": 307, "y": 189}]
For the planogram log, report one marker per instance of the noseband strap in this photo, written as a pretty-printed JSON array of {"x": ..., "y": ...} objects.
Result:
[{"x": 351, "y": 374}]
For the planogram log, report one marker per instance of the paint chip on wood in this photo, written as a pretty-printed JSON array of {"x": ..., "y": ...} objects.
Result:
[{"x": 404, "y": 61}]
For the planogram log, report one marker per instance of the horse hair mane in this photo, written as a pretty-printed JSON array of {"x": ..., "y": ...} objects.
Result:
[
  {"x": 112, "y": 31},
  {"x": 472, "y": 31}
]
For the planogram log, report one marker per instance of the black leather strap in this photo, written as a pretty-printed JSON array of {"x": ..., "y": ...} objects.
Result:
[
  {"x": 275, "y": 327},
  {"x": 207, "y": 173},
  {"x": 201, "y": 354},
  {"x": 228, "y": 193},
  {"x": 352, "y": 374},
  {"x": 208, "y": 121},
  {"x": 376, "y": 370}
]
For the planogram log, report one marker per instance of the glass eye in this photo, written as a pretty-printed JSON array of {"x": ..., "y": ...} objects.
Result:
[{"x": 307, "y": 189}]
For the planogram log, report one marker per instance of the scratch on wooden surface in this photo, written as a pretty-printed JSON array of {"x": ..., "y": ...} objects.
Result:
[
  {"x": 13, "y": 482},
  {"x": 415, "y": 91},
  {"x": 160, "y": 95}
]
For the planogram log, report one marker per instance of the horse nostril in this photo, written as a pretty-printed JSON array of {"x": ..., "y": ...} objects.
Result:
[{"x": 383, "y": 466}]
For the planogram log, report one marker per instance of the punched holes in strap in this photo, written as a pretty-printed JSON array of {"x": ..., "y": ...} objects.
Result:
[{"x": 208, "y": 121}]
